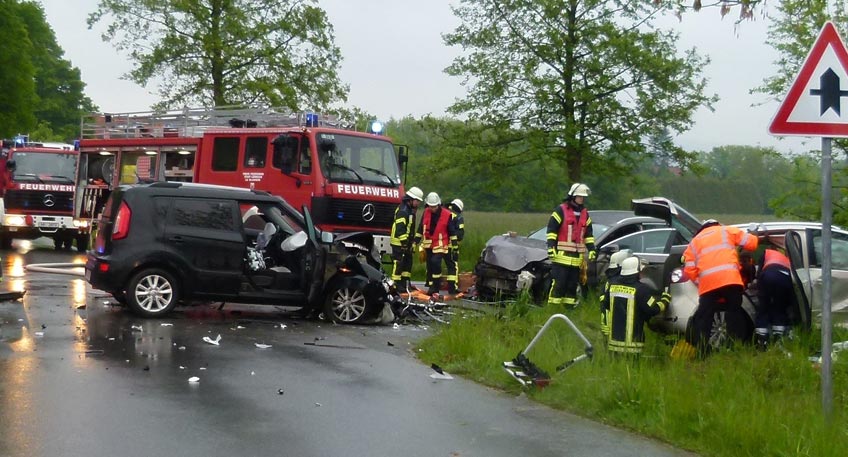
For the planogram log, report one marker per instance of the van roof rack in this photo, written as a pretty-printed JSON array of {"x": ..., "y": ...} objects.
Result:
[{"x": 193, "y": 122}]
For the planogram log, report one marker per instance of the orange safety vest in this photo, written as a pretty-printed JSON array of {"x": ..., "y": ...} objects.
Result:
[
  {"x": 438, "y": 241},
  {"x": 572, "y": 229},
  {"x": 711, "y": 259},
  {"x": 773, "y": 258}
]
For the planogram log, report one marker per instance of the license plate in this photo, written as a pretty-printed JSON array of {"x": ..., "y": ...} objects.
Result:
[{"x": 49, "y": 224}]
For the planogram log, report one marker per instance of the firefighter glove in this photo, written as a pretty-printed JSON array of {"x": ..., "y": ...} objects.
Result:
[
  {"x": 592, "y": 255},
  {"x": 551, "y": 252}
]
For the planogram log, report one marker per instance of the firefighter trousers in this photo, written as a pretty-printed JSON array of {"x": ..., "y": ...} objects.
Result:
[
  {"x": 564, "y": 285},
  {"x": 401, "y": 267},
  {"x": 774, "y": 297},
  {"x": 452, "y": 262},
  {"x": 718, "y": 310},
  {"x": 434, "y": 270}
]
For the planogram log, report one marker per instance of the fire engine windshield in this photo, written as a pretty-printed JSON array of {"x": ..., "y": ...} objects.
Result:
[
  {"x": 348, "y": 158},
  {"x": 44, "y": 167}
]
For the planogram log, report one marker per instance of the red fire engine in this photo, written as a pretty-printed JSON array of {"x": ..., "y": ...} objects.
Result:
[
  {"x": 38, "y": 183},
  {"x": 349, "y": 180}
]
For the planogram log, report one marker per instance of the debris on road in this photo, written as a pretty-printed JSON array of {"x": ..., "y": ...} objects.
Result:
[
  {"x": 389, "y": 343},
  {"x": 137, "y": 327},
  {"x": 280, "y": 392},
  {"x": 39, "y": 334},
  {"x": 193, "y": 380},
  {"x": 215, "y": 342},
  {"x": 262, "y": 346},
  {"x": 166, "y": 324}
]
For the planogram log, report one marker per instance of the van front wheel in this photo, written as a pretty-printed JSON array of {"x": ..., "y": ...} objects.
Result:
[{"x": 152, "y": 293}]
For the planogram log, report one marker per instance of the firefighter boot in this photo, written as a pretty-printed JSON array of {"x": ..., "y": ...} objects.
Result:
[
  {"x": 761, "y": 339},
  {"x": 435, "y": 286},
  {"x": 402, "y": 285},
  {"x": 778, "y": 333},
  {"x": 452, "y": 290}
]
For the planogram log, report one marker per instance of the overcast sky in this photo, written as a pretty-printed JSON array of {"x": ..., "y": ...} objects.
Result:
[{"x": 394, "y": 59}]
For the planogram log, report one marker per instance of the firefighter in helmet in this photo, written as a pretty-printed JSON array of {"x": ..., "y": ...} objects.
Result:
[
  {"x": 712, "y": 262},
  {"x": 433, "y": 236},
  {"x": 458, "y": 233},
  {"x": 570, "y": 243},
  {"x": 631, "y": 304},
  {"x": 613, "y": 270},
  {"x": 402, "y": 239}
]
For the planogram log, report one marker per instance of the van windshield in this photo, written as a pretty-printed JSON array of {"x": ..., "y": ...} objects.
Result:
[
  {"x": 45, "y": 167},
  {"x": 348, "y": 158}
]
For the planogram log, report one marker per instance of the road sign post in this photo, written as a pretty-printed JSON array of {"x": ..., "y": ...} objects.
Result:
[{"x": 813, "y": 107}]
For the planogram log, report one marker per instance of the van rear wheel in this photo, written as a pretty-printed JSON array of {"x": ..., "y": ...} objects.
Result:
[{"x": 152, "y": 292}]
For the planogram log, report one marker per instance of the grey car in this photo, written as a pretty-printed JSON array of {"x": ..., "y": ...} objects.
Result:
[{"x": 509, "y": 264}]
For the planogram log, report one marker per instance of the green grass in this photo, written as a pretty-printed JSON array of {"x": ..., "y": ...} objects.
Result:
[{"x": 735, "y": 403}]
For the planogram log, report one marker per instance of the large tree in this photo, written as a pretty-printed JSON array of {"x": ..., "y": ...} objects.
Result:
[
  {"x": 227, "y": 52},
  {"x": 17, "y": 79},
  {"x": 588, "y": 80}
]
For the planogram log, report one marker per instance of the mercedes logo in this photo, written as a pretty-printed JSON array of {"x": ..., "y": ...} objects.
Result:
[
  {"x": 49, "y": 200},
  {"x": 368, "y": 212}
]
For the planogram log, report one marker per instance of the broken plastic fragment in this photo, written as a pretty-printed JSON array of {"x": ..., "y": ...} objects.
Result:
[
  {"x": 39, "y": 334},
  {"x": 194, "y": 379},
  {"x": 253, "y": 373},
  {"x": 262, "y": 346},
  {"x": 396, "y": 326},
  {"x": 202, "y": 368},
  {"x": 239, "y": 327},
  {"x": 136, "y": 327},
  {"x": 181, "y": 348},
  {"x": 182, "y": 367},
  {"x": 166, "y": 324},
  {"x": 216, "y": 341},
  {"x": 317, "y": 404},
  {"x": 442, "y": 375},
  {"x": 282, "y": 326}
]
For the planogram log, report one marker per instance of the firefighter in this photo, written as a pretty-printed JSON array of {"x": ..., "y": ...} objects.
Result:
[
  {"x": 433, "y": 237},
  {"x": 775, "y": 295},
  {"x": 458, "y": 233},
  {"x": 631, "y": 304},
  {"x": 712, "y": 262},
  {"x": 612, "y": 273},
  {"x": 402, "y": 239},
  {"x": 569, "y": 241}
]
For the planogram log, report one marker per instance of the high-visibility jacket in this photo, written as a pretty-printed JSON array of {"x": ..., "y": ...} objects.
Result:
[
  {"x": 403, "y": 226},
  {"x": 775, "y": 259},
  {"x": 711, "y": 260},
  {"x": 457, "y": 232},
  {"x": 630, "y": 305},
  {"x": 569, "y": 234},
  {"x": 434, "y": 231}
]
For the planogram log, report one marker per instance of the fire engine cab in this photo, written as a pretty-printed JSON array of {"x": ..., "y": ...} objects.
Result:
[
  {"x": 38, "y": 184},
  {"x": 349, "y": 180}
]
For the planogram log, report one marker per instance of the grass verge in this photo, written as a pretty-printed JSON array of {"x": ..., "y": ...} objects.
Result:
[{"x": 734, "y": 403}]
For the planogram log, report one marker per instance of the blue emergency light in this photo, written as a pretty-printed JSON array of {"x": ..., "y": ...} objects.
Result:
[
  {"x": 311, "y": 119},
  {"x": 376, "y": 127}
]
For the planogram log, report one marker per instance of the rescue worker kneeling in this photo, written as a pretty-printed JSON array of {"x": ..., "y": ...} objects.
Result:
[{"x": 631, "y": 304}]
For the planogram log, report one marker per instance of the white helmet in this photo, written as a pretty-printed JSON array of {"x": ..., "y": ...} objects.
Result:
[
  {"x": 618, "y": 257},
  {"x": 458, "y": 203},
  {"x": 630, "y": 266},
  {"x": 415, "y": 193},
  {"x": 579, "y": 190},
  {"x": 433, "y": 199}
]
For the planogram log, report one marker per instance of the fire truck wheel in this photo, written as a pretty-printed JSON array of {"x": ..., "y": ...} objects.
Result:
[
  {"x": 152, "y": 292},
  {"x": 82, "y": 243}
]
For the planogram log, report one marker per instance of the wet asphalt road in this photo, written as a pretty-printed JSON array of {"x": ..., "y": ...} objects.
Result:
[{"x": 81, "y": 377}]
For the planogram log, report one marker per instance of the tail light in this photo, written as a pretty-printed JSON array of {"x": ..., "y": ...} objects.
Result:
[{"x": 122, "y": 222}]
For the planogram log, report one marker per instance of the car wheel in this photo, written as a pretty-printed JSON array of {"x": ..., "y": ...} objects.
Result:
[
  {"x": 724, "y": 327},
  {"x": 152, "y": 293},
  {"x": 346, "y": 304}
]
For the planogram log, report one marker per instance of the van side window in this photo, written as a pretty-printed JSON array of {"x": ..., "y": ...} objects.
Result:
[
  {"x": 225, "y": 154},
  {"x": 204, "y": 214},
  {"x": 304, "y": 164},
  {"x": 255, "y": 152}
]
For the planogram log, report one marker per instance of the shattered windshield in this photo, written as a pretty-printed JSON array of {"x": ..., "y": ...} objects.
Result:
[
  {"x": 44, "y": 167},
  {"x": 352, "y": 159}
]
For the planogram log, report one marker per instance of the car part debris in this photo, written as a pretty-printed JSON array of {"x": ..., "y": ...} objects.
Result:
[
  {"x": 137, "y": 327},
  {"x": 193, "y": 380},
  {"x": 527, "y": 373},
  {"x": 262, "y": 346},
  {"x": 215, "y": 342}
]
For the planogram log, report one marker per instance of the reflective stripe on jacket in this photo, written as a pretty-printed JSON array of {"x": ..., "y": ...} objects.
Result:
[
  {"x": 565, "y": 227},
  {"x": 630, "y": 305},
  {"x": 711, "y": 260}
]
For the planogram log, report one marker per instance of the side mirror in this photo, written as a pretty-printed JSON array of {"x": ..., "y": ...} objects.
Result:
[
  {"x": 11, "y": 165},
  {"x": 326, "y": 237},
  {"x": 403, "y": 156},
  {"x": 285, "y": 147}
]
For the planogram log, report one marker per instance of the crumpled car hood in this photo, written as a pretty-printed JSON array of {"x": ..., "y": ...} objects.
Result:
[{"x": 513, "y": 253}]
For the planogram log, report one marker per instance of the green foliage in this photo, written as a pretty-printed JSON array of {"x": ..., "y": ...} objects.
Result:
[
  {"x": 736, "y": 403},
  {"x": 228, "y": 52},
  {"x": 17, "y": 80},
  {"x": 42, "y": 94},
  {"x": 577, "y": 84}
]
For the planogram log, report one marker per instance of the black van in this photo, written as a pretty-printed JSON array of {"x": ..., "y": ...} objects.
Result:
[{"x": 162, "y": 243}]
